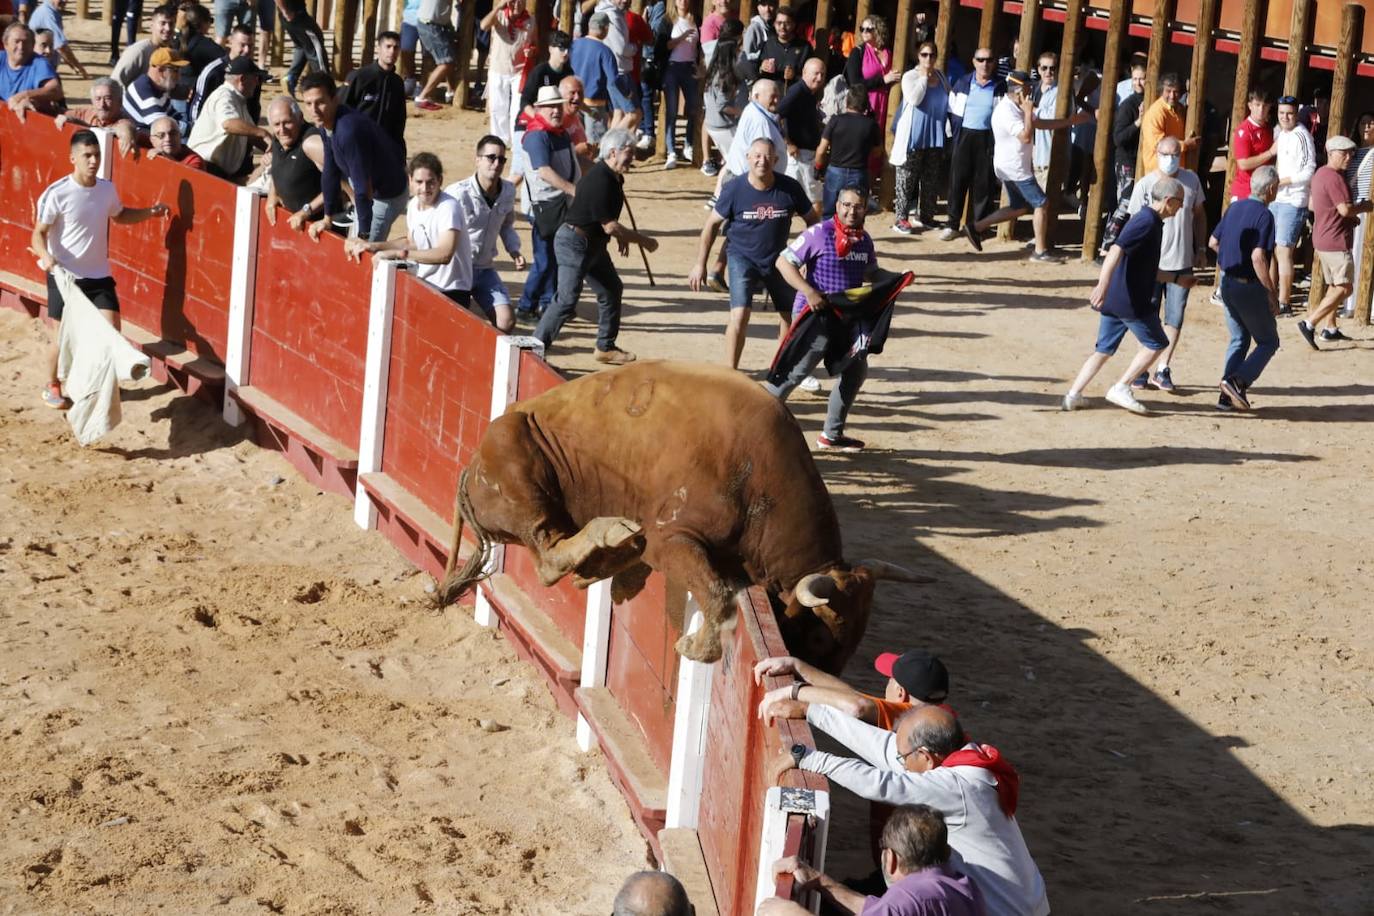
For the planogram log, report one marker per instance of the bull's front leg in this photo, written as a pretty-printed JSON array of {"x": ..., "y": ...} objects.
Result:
[{"x": 682, "y": 558}]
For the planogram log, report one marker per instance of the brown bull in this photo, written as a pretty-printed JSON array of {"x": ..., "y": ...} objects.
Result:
[{"x": 688, "y": 469}]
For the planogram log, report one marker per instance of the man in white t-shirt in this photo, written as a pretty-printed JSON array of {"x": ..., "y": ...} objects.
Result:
[
  {"x": 1183, "y": 250},
  {"x": 1013, "y": 130},
  {"x": 1296, "y": 161},
  {"x": 73, "y": 232},
  {"x": 437, "y": 235}
]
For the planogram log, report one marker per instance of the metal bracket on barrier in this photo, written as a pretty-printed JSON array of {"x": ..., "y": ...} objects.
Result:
[
  {"x": 780, "y": 803},
  {"x": 596, "y": 644},
  {"x": 376, "y": 378},
  {"x": 687, "y": 763},
  {"x": 242, "y": 284},
  {"x": 505, "y": 388}
]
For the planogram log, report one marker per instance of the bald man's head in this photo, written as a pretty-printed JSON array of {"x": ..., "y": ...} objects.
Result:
[
  {"x": 927, "y": 735},
  {"x": 813, "y": 73},
  {"x": 652, "y": 893}
]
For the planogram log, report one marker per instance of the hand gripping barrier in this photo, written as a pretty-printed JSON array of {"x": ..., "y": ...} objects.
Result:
[{"x": 377, "y": 387}]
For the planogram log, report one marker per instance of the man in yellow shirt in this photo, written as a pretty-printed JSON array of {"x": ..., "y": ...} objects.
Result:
[{"x": 1166, "y": 117}]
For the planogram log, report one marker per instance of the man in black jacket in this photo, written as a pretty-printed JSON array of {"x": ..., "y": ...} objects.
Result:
[
  {"x": 378, "y": 91},
  {"x": 1126, "y": 142},
  {"x": 784, "y": 52}
]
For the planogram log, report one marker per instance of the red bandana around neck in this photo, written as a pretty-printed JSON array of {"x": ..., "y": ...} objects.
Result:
[
  {"x": 845, "y": 237},
  {"x": 989, "y": 758},
  {"x": 538, "y": 123}
]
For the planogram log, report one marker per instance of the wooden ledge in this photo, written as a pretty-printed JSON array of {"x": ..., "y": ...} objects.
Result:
[
  {"x": 175, "y": 355},
  {"x": 626, "y": 750},
  {"x": 525, "y": 615},
  {"x": 684, "y": 860},
  {"x": 275, "y": 413},
  {"x": 391, "y": 494},
  {"x": 24, "y": 286}
]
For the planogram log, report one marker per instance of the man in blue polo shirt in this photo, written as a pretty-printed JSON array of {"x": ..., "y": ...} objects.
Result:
[
  {"x": 48, "y": 15},
  {"x": 1244, "y": 243},
  {"x": 27, "y": 81},
  {"x": 972, "y": 98},
  {"x": 757, "y": 209},
  {"x": 1125, "y": 296}
]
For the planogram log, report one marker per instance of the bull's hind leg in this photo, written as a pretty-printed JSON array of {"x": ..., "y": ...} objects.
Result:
[
  {"x": 686, "y": 561},
  {"x": 602, "y": 548}
]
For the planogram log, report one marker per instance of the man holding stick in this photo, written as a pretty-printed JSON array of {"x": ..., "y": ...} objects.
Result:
[{"x": 580, "y": 248}]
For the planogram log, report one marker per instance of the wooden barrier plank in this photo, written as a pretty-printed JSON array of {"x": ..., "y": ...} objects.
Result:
[
  {"x": 560, "y": 651},
  {"x": 625, "y": 747},
  {"x": 683, "y": 859},
  {"x": 1103, "y": 148}
]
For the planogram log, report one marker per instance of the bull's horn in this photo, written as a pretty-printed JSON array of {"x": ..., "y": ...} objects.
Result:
[
  {"x": 815, "y": 590},
  {"x": 881, "y": 569}
]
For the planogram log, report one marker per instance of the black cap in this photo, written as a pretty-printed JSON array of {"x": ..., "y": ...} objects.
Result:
[
  {"x": 917, "y": 672},
  {"x": 1018, "y": 78},
  {"x": 243, "y": 66}
]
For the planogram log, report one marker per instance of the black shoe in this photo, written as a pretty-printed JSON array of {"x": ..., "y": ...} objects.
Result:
[
  {"x": 972, "y": 235},
  {"x": 1334, "y": 334},
  {"x": 1224, "y": 403},
  {"x": 1285, "y": 310},
  {"x": 1234, "y": 392},
  {"x": 1308, "y": 334}
]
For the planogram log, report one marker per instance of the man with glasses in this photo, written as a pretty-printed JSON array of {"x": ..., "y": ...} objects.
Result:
[
  {"x": 929, "y": 761},
  {"x": 1125, "y": 295},
  {"x": 487, "y": 203},
  {"x": 150, "y": 96},
  {"x": 1296, "y": 160},
  {"x": 972, "y": 184},
  {"x": 1047, "y": 69},
  {"x": 165, "y": 137}
]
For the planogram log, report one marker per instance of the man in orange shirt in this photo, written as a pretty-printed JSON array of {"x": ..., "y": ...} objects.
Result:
[
  {"x": 1166, "y": 117},
  {"x": 915, "y": 678}
]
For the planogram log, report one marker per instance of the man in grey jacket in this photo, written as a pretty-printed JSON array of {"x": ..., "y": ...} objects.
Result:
[{"x": 928, "y": 761}]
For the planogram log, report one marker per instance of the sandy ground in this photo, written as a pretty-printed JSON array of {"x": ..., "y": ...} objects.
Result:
[{"x": 1158, "y": 619}]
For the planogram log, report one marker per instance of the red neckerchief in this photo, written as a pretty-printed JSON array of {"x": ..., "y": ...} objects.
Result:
[
  {"x": 538, "y": 123},
  {"x": 989, "y": 758},
  {"x": 845, "y": 237}
]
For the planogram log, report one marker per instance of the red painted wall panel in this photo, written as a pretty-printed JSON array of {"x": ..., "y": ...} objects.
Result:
[
  {"x": 310, "y": 328},
  {"x": 565, "y": 605},
  {"x": 439, "y": 392},
  {"x": 173, "y": 276},
  {"x": 642, "y": 665}
]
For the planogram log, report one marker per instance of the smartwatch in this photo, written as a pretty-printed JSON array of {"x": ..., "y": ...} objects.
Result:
[{"x": 798, "y": 752}]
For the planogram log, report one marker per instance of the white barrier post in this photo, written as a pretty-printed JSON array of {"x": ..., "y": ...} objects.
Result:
[
  {"x": 505, "y": 386},
  {"x": 596, "y": 644},
  {"x": 779, "y": 802},
  {"x": 688, "y": 761},
  {"x": 242, "y": 282},
  {"x": 107, "y": 150},
  {"x": 376, "y": 377}
]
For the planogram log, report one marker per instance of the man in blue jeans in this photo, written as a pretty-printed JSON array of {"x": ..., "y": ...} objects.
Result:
[
  {"x": 757, "y": 210},
  {"x": 550, "y": 181},
  {"x": 581, "y": 244},
  {"x": 1125, "y": 295},
  {"x": 1244, "y": 242},
  {"x": 846, "y": 144}
]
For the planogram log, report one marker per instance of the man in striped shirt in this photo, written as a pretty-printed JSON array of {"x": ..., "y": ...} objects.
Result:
[{"x": 150, "y": 96}]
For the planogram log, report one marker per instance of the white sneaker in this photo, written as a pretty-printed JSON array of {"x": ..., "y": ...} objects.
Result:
[
  {"x": 810, "y": 383},
  {"x": 1216, "y": 296},
  {"x": 1121, "y": 396},
  {"x": 1075, "y": 402},
  {"x": 645, "y": 142},
  {"x": 670, "y": 162},
  {"x": 687, "y": 152},
  {"x": 950, "y": 235}
]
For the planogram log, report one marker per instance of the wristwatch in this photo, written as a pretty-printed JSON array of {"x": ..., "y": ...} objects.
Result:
[{"x": 798, "y": 752}]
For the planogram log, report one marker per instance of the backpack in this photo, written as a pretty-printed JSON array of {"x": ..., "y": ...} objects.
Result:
[{"x": 832, "y": 99}]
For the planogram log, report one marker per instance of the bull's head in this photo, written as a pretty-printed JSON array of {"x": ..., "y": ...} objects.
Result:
[{"x": 827, "y": 613}]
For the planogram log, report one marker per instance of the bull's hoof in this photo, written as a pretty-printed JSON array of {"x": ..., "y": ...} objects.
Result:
[
  {"x": 613, "y": 532},
  {"x": 702, "y": 646}
]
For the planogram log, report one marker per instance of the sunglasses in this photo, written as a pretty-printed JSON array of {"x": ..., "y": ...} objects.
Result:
[
  {"x": 867, "y": 28},
  {"x": 492, "y": 157},
  {"x": 926, "y": 54},
  {"x": 1288, "y": 100},
  {"x": 981, "y": 60},
  {"x": 1045, "y": 69}
]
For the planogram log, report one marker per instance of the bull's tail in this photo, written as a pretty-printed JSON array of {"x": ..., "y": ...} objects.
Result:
[{"x": 457, "y": 582}]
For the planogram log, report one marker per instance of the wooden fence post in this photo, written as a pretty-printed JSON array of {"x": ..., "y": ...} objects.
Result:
[
  {"x": 1159, "y": 40},
  {"x": 83, "y": 9},
  {"x": 345, "y": 24},
  {"x": 1251, "y": 36},
  {"x": 987, "y": 25},
  {"x": 1103, "y": 147},
  {"x": 1352, "y": 30},
  {"x": 566, "y": 13},
  {"x": 369, "y": 30},
  {"x": 822, "y": 34},
  {"x": 944, "y": 33},
  {"x": 1198, "y": 79},
  {"x": 466, "y": 34},
  {"x": 1299, "y": 37},
  {"x": 1074, "y": 16},
  {"x": 899, "y": 48}
]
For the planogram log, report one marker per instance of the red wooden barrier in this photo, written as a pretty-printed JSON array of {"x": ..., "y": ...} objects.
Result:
[
  {"x": 33, "y": 155},
  {"x": 173, "y": 276},
  {"x": 641, "y": 670}
]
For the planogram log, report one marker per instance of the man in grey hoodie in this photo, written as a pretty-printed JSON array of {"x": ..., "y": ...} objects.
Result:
[{"x": 929, "y": 761}]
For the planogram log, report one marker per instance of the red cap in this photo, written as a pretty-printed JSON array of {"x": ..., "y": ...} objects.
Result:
[{"x": 883, "y": 663}]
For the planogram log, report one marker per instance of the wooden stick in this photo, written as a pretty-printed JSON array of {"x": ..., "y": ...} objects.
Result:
[
  {"x": 1251, "y": 33},
  {"x": 642, "y": 253},
  {"x": 944, "y": 33},
  {"x": 1064, "y": 106},
  {"x": 345, "y": 24},
  {"x": 369, "y": 30},
  {"x": 1104, "y": 149},
  {"x": 1198, "y": 79},
  {"x": 1352, "y": 30},
  {"x": 987, "y": 25},
  {"x": 1159, "y": 41},
  {"x": 1365, "y": 284},
  {"x": 900, "y": 46},
  {"x": 823, "y": 30},
  {"x": 1299, "y": 37}
]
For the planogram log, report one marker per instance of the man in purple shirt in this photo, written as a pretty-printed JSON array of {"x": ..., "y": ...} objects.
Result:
[{"x": 915, "y": 865}]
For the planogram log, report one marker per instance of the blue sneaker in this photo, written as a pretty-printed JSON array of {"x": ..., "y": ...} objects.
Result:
[
  {"x": 1163, "y": 380},
  {"x": 1140, "y": 382}
]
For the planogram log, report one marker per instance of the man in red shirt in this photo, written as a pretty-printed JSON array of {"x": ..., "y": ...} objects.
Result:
[
  {"x": 1333, "y": 233},
  {"x": 1252, "y": 145}
]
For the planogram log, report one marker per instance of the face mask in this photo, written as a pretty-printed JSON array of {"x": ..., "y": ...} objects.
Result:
[{"x": 1168, "y": 164}]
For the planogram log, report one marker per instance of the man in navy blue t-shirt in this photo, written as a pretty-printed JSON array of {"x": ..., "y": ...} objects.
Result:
[
  {"x": 757, "y": 210},
  {"x": 1244, "y": 243},
  {"x": 1125, "y": 296}
]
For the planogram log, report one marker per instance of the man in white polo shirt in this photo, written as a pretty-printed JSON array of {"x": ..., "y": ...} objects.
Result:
[{"x": 73, "y": 232}]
